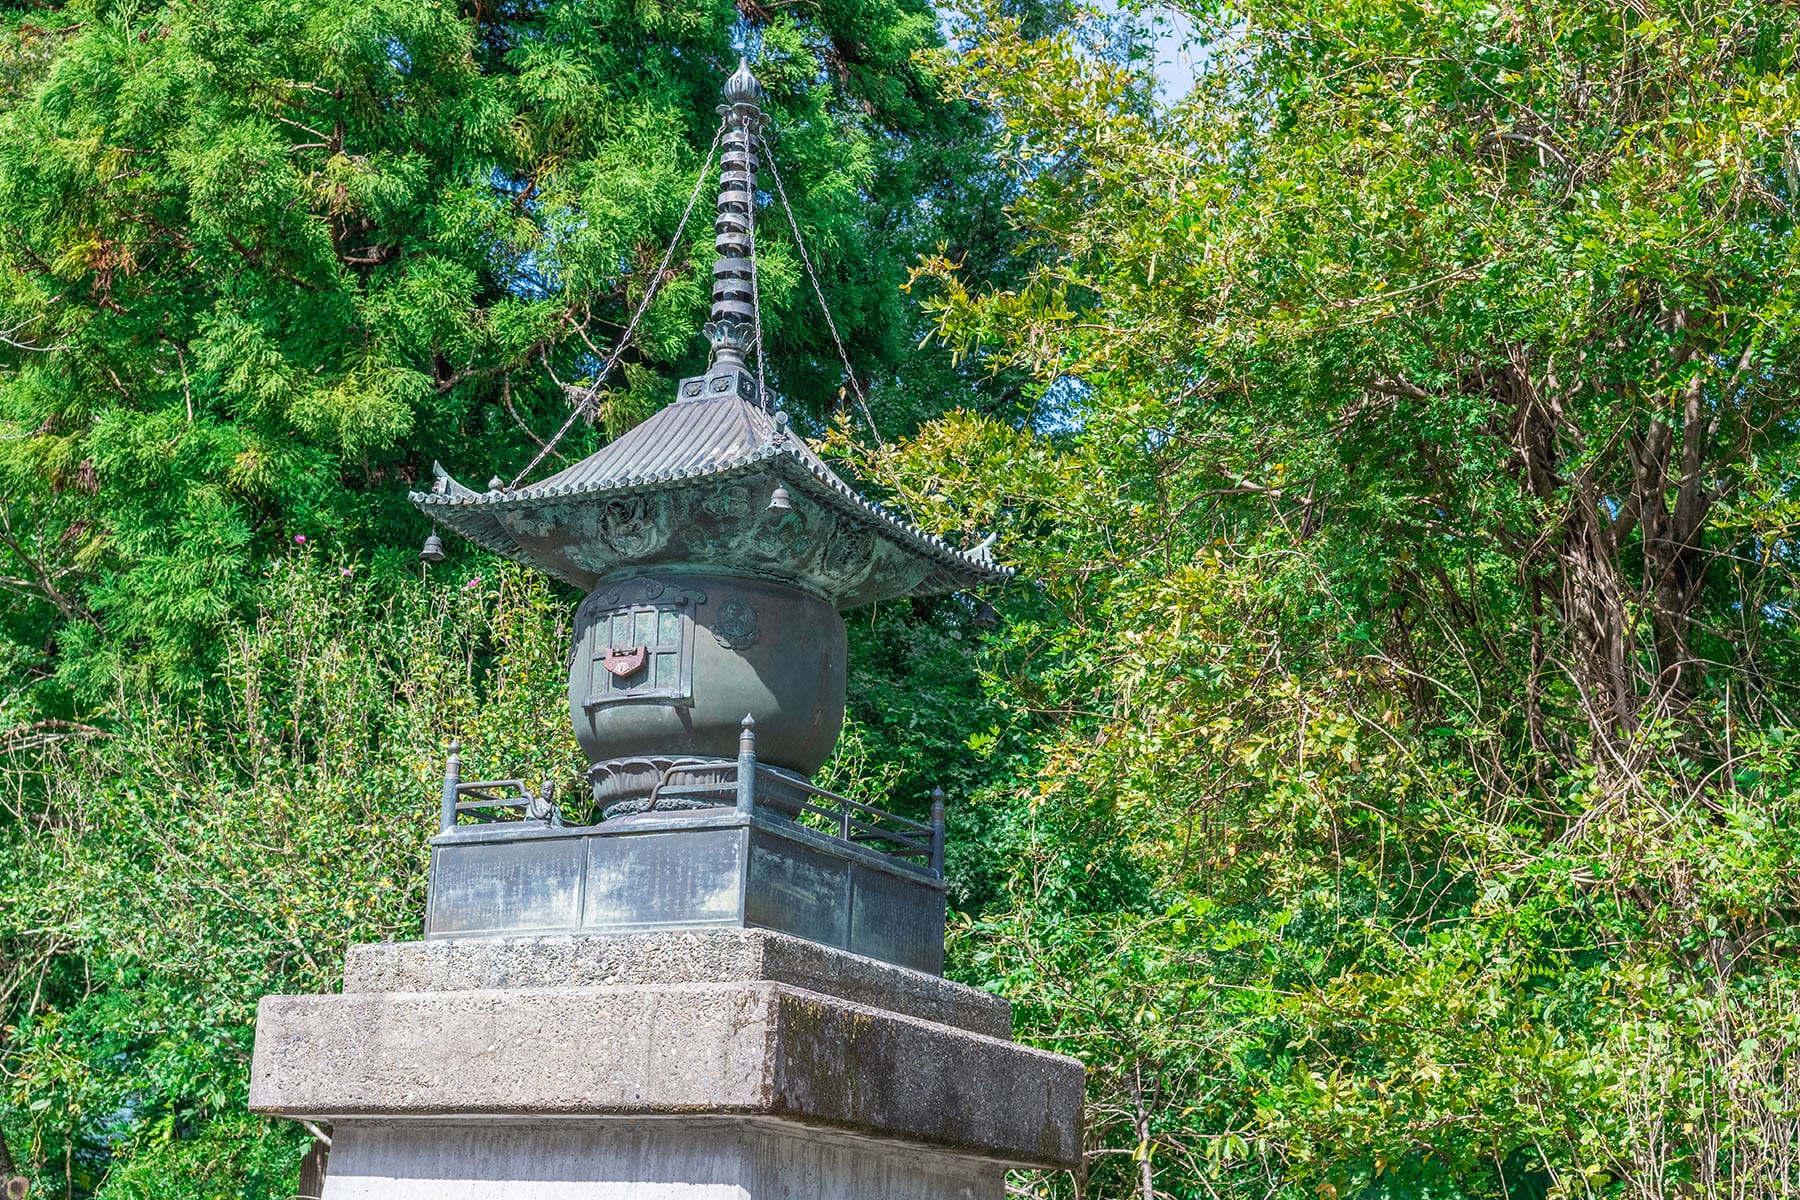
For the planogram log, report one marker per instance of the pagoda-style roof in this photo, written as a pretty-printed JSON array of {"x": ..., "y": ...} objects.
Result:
[
  {"x": 695, "y": 486},
  {"x": 715, "y": 482}
]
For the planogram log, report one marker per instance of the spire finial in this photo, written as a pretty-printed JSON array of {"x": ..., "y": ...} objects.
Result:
[
  {"x": 733, "y": 306},
  {"x": 742, "y": 87}
]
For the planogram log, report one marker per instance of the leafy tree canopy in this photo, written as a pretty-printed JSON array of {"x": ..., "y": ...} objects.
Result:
[
  {"x": 263, "y": 260},
  {"x": 1401, "y": 767}
]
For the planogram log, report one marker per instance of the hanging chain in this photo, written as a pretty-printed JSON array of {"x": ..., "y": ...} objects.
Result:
[
  {"x": 762, "y": 384},
  {"x": 862, "y": 399},
  {"x": 586, "y": 402}
]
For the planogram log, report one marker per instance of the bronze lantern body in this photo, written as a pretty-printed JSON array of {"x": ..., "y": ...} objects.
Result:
[{"x": 708, "y": 666}]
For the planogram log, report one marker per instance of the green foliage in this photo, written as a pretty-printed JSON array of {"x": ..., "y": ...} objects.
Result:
[
  {"x": 160, "y": 880},
  {"x": 1399, "y": 772},
  {"x": 266, "y": 259}
]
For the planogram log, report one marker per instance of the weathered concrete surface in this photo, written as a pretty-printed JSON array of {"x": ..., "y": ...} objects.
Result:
[
  {"x": 746, "y": 1048},
  {"x": 692, "y": 1159},
  {"x": 698, "y": 956}
]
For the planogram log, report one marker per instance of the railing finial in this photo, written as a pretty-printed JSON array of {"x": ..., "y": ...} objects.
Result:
[
  {"x": 937, "y": 831},
  {"x": 452, "y": 781},
  {"x": 746, "y": 766}
]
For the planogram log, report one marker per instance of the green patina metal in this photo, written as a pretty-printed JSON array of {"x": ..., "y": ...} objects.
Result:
[
  {"x": 717, "y": 550},
  {"x": 691, "y": 489}
]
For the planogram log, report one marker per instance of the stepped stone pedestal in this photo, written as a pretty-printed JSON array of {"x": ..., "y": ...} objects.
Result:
[{"x": 704, "y": 1064}]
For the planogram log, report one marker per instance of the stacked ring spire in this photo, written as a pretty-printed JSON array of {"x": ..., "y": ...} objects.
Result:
[{"x": 733, "y": 292}]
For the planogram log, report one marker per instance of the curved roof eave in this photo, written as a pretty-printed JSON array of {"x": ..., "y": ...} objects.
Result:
[{"x": 819, "y": 482}]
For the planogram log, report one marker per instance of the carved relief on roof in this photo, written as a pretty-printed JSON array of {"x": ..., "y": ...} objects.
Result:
[
  {"x": 781, "y": 537},
  {"x": 846, "y": 557},
  {"x": 894, "y": 571},
  {"x": 731, "y": 500},
  {"x": 549, "y": 538},
  {"x": 756, "y": 519},
  {"x": 709, "y": 514},
  {"x": 634, "y": 526}
]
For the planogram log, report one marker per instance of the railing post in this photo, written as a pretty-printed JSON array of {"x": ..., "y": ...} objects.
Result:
[
  {"x": 937, "y": 830},
  {"x": 452, "y": 779},
  {"x": 746, "y": 771}
]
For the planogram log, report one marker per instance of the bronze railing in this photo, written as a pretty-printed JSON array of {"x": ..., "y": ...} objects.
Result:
[{"x": 743, "y": 783}]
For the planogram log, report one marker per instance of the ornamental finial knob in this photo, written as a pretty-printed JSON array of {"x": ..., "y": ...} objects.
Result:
[{"x": 742, "y": 87}]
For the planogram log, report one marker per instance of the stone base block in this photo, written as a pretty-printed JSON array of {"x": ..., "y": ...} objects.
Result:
[
  {"x": 693, "y": 1159},
  {"x": 756, "y": 1049},
  {"x": 700, "y": 1064},
  {"x": 671, "y": 956}
]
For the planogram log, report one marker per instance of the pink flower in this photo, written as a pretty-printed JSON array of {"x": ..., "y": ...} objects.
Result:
[{"x": 299, "y": 539}]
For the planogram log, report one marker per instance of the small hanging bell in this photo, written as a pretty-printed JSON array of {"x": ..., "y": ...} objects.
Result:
[
  {"x": 433, "y": 550},
  {"x": 780, "y": 501}
]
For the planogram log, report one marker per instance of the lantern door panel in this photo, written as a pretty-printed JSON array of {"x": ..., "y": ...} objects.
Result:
[{"x": 641, "y": 652}]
